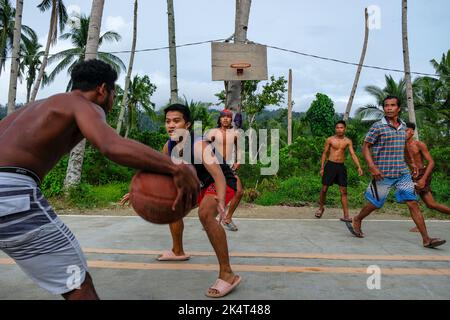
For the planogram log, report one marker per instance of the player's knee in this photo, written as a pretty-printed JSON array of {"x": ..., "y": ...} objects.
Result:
[
  {"x": 343, "y": 191},
  {"x": 239, "y": 193}
]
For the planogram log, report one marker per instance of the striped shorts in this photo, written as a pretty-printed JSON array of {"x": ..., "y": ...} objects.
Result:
[
  {"x": 38, "y": 241},
  {"x": 378, "y": 191}
]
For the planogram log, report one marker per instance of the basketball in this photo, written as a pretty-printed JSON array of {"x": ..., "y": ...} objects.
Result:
[{"x": 152, "y": 196}]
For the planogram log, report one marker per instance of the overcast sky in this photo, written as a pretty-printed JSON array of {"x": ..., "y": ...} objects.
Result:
[{"x": 327, "y": 28}]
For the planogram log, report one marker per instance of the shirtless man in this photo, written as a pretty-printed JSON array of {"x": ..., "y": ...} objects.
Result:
[
  {"x": 33, "y": 140},
  {"x": 420, "y": 152},
  {"x": 225, "y": 140},
  {"x": 334, "y": 171}
]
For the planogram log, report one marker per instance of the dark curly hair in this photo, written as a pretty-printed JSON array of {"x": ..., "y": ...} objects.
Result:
[{"x": 88, "y": 75}]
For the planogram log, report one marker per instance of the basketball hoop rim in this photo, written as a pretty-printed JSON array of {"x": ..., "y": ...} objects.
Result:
[{"x": 240, "y": 65}]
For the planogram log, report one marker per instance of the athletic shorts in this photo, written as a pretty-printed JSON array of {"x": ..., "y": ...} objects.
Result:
[
  {"x": 427, "y": 187},
  {"x": 334, "y": 173},
  {"x": 38, "y": 241},
  {"x": 378, "y": 191},
  {"x": 211, "y": 189}
]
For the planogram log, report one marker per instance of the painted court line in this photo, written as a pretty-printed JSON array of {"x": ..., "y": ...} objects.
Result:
[
  {"x": 322, "y": 256},
  {"x": 101, "y": 264}
]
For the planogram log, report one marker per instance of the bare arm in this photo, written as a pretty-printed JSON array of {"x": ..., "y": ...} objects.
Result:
[
  {"x": 203, "y": 150},
  {"x": 92, "y": 124},
  {"x": 376, "y": 173},
  {"x": 237, "y": 165},
  {"x": 409, "y": 153},
  {"x": 324, "y": 155},
  {"x": 426, "y": 154},
  {"x": 355, "y": 158}
]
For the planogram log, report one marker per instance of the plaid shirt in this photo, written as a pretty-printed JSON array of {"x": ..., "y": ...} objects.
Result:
[{"x": 388, "y": 149}]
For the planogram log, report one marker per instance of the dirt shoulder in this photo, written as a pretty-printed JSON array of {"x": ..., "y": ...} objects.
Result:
[{"x": 254, "y": 211}]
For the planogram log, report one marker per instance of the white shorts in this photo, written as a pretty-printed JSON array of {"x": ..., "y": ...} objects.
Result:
[{"x": 38, "y": 241}]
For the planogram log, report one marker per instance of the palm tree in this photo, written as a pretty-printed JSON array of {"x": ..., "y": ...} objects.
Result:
[
  {"x": 199, "y": 112},
  {"x": 374, "y": 111},
  {"x": 172, "y": 52},
  {"x": 7, "y": 18},
  {"x": 92, "y": 43},
  {"x": 15, "y": 57},
  {"x": 130, "y": 69},
  {"x": 442, "y": 69},
  {"x": 139, "y": 93},
  {"x": 78, "y": 35},
  {"x": 59, "y": 17},
  {"x": 31, "y": 55},
  {"x": 358, "y": 71},
  {"x": 409, "y": 88}
]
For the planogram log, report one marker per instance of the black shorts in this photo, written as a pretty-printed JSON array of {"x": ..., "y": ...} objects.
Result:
[{"x": 334, "y": 173}]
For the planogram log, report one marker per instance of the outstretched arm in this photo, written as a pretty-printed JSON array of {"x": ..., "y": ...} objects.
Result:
[
  {"x": 355, "y": 158},
  {"x": 91, "y": 121}
]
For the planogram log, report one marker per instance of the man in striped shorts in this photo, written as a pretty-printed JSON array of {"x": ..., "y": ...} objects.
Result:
[
  {"x": 33, "y": 140},
  {"x": 387, "y": 138}
]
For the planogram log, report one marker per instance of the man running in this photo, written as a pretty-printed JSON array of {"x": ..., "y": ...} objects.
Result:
[
  {"x": 419, "y": 151},
  {"x": 334, "y": 171},
  {"x": 225, "y": 141},
  {"x": 33, "y": 140},
  {"x": 218, "y": 187},
  {"x": 387, "y": 139}
]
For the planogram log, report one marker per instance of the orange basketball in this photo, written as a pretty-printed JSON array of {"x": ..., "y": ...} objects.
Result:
[{"x": 152, "y": 196}]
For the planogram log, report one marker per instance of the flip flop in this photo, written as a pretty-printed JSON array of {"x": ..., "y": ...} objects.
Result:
[
  {"x": 170, "y": 256},
  {"x": 353, "y": 231},
  {"x": 230, "y": 226},
  {"x": 223, "y": 287},
  {"x": 435, "y": 243},
  {"x": 346, "y": 220}
]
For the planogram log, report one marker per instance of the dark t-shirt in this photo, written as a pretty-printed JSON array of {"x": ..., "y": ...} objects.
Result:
[{"x": 203, "y": 175}]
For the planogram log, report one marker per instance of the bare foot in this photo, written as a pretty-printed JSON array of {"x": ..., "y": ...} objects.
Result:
[
  {"x": 319, "y": 213},
  {"x": 357, "y": 227}
]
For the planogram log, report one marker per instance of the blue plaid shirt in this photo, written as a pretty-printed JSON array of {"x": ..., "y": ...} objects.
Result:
[{"x": 388, "y": 149}]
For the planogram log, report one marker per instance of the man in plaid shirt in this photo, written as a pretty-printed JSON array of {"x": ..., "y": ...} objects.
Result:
[{"x": 386, "y": 162}]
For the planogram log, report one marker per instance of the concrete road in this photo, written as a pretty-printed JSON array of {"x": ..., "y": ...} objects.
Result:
[{"x": 277, "y": 259}]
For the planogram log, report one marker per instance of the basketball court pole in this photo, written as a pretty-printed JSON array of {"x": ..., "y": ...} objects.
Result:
[
  {"x": 233, "y": 88},
  {"x": 290, "y": 108}
]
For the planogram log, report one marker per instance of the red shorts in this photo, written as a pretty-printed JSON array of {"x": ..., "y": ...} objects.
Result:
[{"x": 229, "y": 193}]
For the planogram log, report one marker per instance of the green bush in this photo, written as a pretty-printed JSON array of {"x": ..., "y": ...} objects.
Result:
[{"x": 86, "y": 196}]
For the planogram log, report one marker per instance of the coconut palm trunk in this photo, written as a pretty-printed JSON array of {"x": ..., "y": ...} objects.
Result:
[
  {"x": 409, "y": 90},
  {"x": 74, "y": 168},
  {"x": 15, "y": 58},
  {"x": 172, "y": 53},
  {"x": 130, "y": 70},
  {"x": 358, "y": 71},
  {"x": 58, "y": 15},
  {"x": 233, "y": 88}
]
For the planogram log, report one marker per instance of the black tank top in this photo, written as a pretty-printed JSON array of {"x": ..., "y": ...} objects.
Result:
[{"x": 203, "y": 175}]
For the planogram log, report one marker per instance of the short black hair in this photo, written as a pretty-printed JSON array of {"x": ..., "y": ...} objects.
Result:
[
  {"x": 180, "y": 108},
  {"x": 341, "y": 122},
  {"x": 411, "y": 125},
  {"x": 88, "y": 75},
  {"x": 389, "y": 97}
]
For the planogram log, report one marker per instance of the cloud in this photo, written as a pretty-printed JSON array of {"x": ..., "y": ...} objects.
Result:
[
  {"x": 116, "y": 23},
  {"x": 73, "y": 8}
]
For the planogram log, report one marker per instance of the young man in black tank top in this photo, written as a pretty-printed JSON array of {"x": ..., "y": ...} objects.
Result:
[{"x": 217, "y": 189}]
